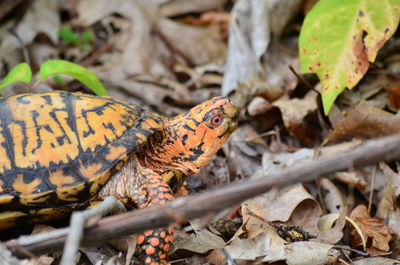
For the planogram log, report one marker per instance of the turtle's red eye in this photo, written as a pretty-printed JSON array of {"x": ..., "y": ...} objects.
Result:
[{"x": 216, "y": 120}]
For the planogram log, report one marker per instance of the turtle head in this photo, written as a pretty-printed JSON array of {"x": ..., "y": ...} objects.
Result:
[{"x": 198, "y": 134}]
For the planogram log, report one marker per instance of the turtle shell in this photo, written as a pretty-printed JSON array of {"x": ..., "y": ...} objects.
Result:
[{"x": 59, "y": 148}]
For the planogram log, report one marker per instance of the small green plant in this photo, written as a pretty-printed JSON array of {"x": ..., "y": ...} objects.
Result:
[
  {"x": 81, "y": 40},
  {"x": 23, "y": 73}
]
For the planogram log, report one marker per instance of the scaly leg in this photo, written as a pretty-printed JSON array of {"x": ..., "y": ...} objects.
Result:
[{"x": 154, "y": 244}]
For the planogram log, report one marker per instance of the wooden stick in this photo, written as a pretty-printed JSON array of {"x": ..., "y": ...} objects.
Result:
[{"x": 370, "y": 152}]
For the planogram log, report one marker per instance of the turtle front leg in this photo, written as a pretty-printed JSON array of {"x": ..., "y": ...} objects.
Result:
[{"x": 154, "y": 244}]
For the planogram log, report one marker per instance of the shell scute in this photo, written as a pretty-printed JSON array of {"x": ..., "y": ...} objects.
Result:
[{"x": 62, "y": 147}]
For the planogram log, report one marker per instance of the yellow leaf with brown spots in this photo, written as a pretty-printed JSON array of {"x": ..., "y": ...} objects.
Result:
[{"x": 340, "y": 37}]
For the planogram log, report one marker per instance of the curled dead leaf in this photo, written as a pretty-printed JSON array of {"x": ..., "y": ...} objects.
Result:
[{"x": 378, "y": 235}]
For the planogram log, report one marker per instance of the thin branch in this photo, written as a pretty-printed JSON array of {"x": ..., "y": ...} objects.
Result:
[
  {"x": 370, "y": 152},
  {"x": 25, "y": 53}
]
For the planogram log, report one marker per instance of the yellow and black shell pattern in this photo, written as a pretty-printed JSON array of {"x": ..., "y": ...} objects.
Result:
[{"x": 60, "y": 148}]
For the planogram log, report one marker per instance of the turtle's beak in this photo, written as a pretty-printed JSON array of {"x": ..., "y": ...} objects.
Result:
[{"x": 232, "y": 113}]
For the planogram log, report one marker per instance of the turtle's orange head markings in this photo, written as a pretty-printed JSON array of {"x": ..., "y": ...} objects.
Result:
[{"x": 195, "y": 137}]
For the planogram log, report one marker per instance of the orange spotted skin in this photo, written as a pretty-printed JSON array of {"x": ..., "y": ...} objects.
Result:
[{"x": 62, "y": 150}]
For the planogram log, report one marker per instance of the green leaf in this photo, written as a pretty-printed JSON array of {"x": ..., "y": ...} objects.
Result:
[
  {"x": 87, "y": 36},
  {"x": 54, "y": 67},
  {"x": 20, "y": 73},
  {"x": 59, "y": 80},
  {"x": 339, "y": 38},
  {"x": 67, "y": 35}
]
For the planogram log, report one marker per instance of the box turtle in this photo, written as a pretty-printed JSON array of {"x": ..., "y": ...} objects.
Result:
[{"x": 60, "y": 150}]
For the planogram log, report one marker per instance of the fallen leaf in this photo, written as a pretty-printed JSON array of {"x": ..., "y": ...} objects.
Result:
[
  {"x": 273, "y": 163},
  {"x": 103, "y": 255},
  {"x": 256, "y": 242},
  {"x": 201, "y": 241},
  {"x": 327, "y": 221},
  {"x": 7, "y": 6},
  {"x": 351, "y": 178},
  {"x": 378, "y": 235},
  {"x": 294, "y": 112},
  {"x": 246, "y": 146},
  {"x": 394, "y": 96},
  {"x": 126, "y": 244},
  {"x": 199, "y": 46},
  {"x": 221, "y": 19},
  {"x": 258, "y": 106},
  {"x": 331, "y": 196},
  {"x": 7, "y": 258},
  {"x": 332, "y": 228},
  {"x": 394, "y": 221},
  {"x": 216, "y": 257},
  {"x": 147, "y": 47},
  {"x": 389, "y": 193},
  {"x": 250, "y": 30},
  {"x": 181, "y": 7},
  {"x": 291, "y": 199},
  {"x": 279, "y": 80},
  {"x": 41, "y": 260},
  {"x": 303, "y": 253},
  {"x": 375, "y": 261},
  {"x": 365, "y": 121},
  {"x": 41, "y": 18},
  {"x": 138, "y": 53}
]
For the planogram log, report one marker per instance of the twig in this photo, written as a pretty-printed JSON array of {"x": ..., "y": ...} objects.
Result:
[
  {"x": 371, "y": 192},
  {"x": 229, "y": 259},
  {"x": 21, "y": 42},
  {"x": 358, "y": 252},
  {"x": 93, "y": 57},
  {"x": 302, "y": 80},
  {"x": 372, "y": 151},
  {"x": 78, "y": 221}
]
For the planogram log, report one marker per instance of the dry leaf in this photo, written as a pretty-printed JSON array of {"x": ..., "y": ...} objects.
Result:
[
  {"x": 221, "y": 19},
  {"x": 201, "y": 241},
  {"x": 273, "y": 163},
  {"x": 327, "y": 221},
  {"x": 41, "y": 260},
  {"x": 375, "y": 261},
  {"x": 290, "y": 198},
  {"x": 138, "y": 52},
  {"x": 250, "y": 28},
  {"x": 389, "y": 192},
  {"x": 378, "y": 235},
  {"x": 258, "y": 105},
  {"x": 125, "y": 244},
  {"x": 181, "y": 7},
  {"x": 103, "y": 255},
  {"x": 332, "y": 197},
  {"x": 42, "y": 17},
  {"x": 365, "y": 121},
  {"x": 7, "y": 258},
  {"x": 394, "y": 221},
  {"x": 304, "y": 253},
  {"x": 199, "y": 46},
  {"x": 394, "y": 96},
  {"x": 7, "y": 6},
  {"x": 351, "y": 178},
  {"x": 293, "y": 113},
  {"x": 245, "y": 148}
]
